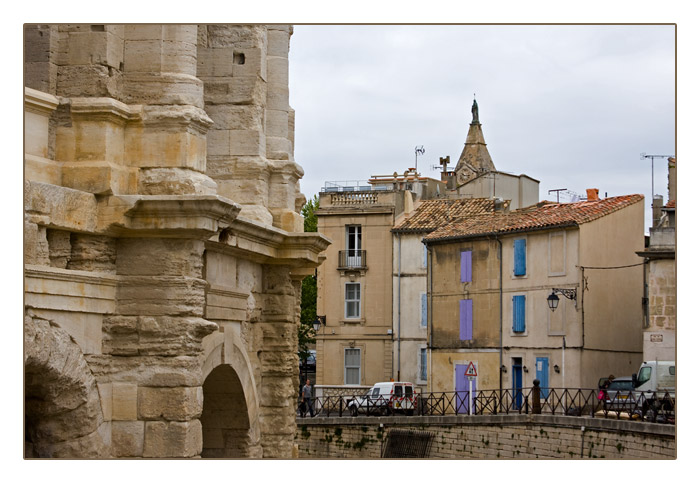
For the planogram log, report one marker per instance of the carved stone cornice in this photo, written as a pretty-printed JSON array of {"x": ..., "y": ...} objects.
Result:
[
  {"x": 103, "y": 109},
  {"x": 182, "y": 216},
  {"x": 39, "y": 102},
  {"x": 269, "y": 245}
]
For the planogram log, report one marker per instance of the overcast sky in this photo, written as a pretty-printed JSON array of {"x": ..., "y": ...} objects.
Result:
[{"x": 571, "y": 106}]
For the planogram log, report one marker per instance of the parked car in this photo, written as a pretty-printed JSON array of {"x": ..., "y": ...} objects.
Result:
[
  {"x": 310, "y": 362},
  {"x": 385, "y": 398},
  {"x": 620, "y": 395}
]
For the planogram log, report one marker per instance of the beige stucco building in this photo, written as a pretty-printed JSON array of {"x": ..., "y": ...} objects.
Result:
[
  {"x": 410, "y": 280},
  {"x": 489, "y": 277},
  {"x": 355, "y": 291},
  {"x": 163, "y": 244}
]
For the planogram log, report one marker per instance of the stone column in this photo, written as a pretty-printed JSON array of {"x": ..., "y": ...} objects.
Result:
[
  {"x": 169, "y": 145},
  {"x": 278, "y": 360},
  {"x": 232, "y": 63},
  {"x": 286, "y": 173},
  {"x": 154, "y": 348}
]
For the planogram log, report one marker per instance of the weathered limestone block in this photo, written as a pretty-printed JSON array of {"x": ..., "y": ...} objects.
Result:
[
  {"x": 127, "y": 438},
  {"x": 59, "y": 247},
  {"x": 91, "y": 80},
  {"x": 157, "y": 181},
  {"x": 59, "y": 207},
  {"x": 277, "y": 97},
  {"x": 160, "y": 65},
  {"x": 156, "y": 371},
  {"x": 241, "y": 90},
  {"x": 277, "y": 445},
  {"x": 171, "y": 136},
  {"x": 172, "y": 439},
  {"x": 280, "y": 362},
  {"x": 124, "y": 401},
  {"x": 36, "y": 247},
  {"x": 93, "y": 253},
  {"x": 40, "y": 46},
  {"x": 94, "y": 445},
  {"x": 238, "y": 117},
  {"x": 38, "y": 108},
  {"x": 279, "y": 33},
  {"x": 277, "y": 422},
  {"x": 95, "y": 47},
  {"x": 245, "y": 36},
  {"x": 155, "y": 336},
  {"x": 170, "y": 403},
  {"x": 279, "y": 391},
  {"x": 166, "y": 295}
]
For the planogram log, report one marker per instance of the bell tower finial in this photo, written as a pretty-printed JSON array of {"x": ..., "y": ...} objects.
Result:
[{"x": 475, "y": 112}]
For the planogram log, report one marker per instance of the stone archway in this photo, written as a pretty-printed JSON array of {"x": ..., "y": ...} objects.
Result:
[
  {"x": 63, "y": 413},
  {"x": 225, "y": 424},
  {"x": 230, "y": 426}
]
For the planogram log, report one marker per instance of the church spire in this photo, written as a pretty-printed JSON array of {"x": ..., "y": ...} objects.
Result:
[{"x": 475, "y": 158}]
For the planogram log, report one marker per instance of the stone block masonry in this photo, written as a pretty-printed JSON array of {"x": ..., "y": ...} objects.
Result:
[
  {"x": 490, "y": 437},
  {"x": 163, "y": 247}
]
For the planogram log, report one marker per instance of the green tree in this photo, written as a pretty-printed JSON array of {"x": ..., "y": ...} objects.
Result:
[
  {"x": 306, "y": 332},
  {"x": 308, "y": 211}
]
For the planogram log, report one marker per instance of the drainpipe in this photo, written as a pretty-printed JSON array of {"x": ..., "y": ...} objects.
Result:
[
  {"x": 500, "y": 315},
  {"x": 430, "y": 315},
  {"x": 398, "y": 335}
]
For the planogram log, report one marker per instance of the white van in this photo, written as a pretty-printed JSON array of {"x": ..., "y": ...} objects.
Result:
[
  {"x": 655, "y": 385},
  {"x": 385, "y": 398},
  {"x": 656, "y": 376}
]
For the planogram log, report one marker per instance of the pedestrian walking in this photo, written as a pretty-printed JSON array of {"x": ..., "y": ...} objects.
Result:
[{"x": 306, "y": 397}]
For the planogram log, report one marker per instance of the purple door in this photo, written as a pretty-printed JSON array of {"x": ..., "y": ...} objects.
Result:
[{"x": 462, "y": 385}]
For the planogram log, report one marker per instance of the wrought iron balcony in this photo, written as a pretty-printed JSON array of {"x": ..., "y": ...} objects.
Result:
[{"x": 352, "y": 259}]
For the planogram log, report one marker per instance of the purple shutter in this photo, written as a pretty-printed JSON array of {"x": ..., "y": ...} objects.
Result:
[
  {"x": 465, "y": 319},
  {"x": 466, "y": 266}
]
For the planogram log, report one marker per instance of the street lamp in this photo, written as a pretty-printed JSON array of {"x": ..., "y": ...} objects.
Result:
[
  {"x": 553, "y": 300},
  {"x": 320, "y": 320}
]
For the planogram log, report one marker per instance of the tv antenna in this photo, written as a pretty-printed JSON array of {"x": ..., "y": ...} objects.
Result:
[
  {"x": 644, "y": 156},
  {"x": 557, "y": 190},
  {"x": 419, "y": 150}
]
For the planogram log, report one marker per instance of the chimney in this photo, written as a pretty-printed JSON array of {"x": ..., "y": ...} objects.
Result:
[
  {"x": 671, "y": 179},
  {"x": 592, "y": 194},
  {"x": 656, "y": 205}
]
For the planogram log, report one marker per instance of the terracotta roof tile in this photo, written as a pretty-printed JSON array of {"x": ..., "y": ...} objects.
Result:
[
  {"x": 431, "y": 214},
  {"x": 671, "y": 204},
  {"x": 539, "y": 217}
]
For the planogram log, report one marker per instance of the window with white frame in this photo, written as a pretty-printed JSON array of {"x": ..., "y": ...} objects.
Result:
[
  {"x": 352, "y": 300},
  {"x": 352, "y": 366}
]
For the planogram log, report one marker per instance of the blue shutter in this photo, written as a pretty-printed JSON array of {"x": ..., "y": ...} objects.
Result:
[
  {"x": 519, "y": 252},
  {"x": 542, "y": 373},
  {"x": 423, "y": 310},
  {"x": 425, "y": 256},
  {"x": 465, "y": 319},
  {"x": 518, "y": 313},
  {"x": 466, "y": 266}
]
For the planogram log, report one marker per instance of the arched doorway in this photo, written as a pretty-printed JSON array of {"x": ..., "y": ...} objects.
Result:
[
  {"x": 62, "y": 410},
  {"x": 225, "y": 423}
]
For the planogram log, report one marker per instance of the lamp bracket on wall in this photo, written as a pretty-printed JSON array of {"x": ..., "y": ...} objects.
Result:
[{"x": 553, "y": 300}]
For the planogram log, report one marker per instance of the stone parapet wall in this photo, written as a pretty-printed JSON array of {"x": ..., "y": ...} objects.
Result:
[{"x": 490, "y": 437}]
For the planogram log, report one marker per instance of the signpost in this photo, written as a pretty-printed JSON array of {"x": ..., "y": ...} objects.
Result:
[{"x": 471, "y": 376}]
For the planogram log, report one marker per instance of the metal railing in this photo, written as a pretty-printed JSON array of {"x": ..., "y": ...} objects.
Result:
[
  {"x": 349, "y": 259},
  {"x": 636, "y": 406}
]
